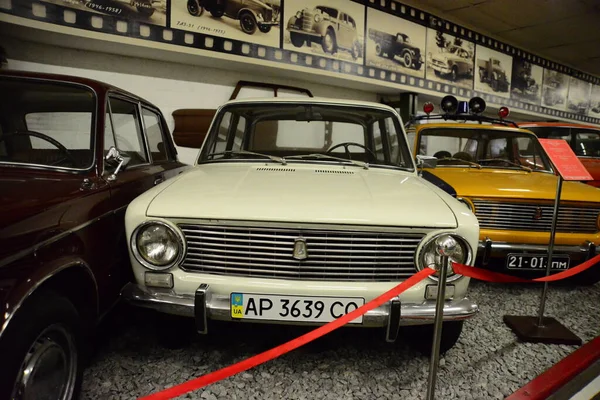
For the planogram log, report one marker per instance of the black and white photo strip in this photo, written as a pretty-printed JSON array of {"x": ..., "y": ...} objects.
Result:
[
  {"x": 249, "y": 21},
  {"x": 449, "y": 59},
  {"x": 554, "y": 89},
  {"x": 493, "y": 71},
  {"x": 395, "y": 44},
  {"x": 578, "y": 99},
  {"x": 333, "y": 29},
  {"x": 594, "y": 110},
  {"x": 526, "y": 82},
  {"x": 149, "y": 11}
]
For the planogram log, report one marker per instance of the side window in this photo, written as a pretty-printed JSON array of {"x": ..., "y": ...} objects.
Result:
[
  {"x": 127, "y": 131},
  {"x": 155, "y": 135},
  {"x": 587, "y": 143},
  {"x": 351, "y": 20},
  {"x": 228, "y": 119}
]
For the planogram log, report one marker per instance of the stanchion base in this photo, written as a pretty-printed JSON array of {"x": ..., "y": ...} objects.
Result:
[{"x": 552, "y": 331}]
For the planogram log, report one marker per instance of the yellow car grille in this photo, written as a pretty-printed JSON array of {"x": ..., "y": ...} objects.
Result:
[{"x": 535, "y": 217}]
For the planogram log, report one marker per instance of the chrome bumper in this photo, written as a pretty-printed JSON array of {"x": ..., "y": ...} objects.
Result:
[
  {"x": 296, "y": 30},
  {"x": 489, "y": 249},
  {"x": 207, "y": 306}
]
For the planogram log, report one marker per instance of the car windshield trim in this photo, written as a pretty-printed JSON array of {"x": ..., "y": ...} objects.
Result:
[
  {"x": 93, "y": 127},
  {"x": 382, "y": 121}
]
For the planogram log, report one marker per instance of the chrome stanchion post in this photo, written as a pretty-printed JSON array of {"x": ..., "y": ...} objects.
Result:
[
  {"x": 446, "y": 246},
  {"x": 550, "y": 250}
]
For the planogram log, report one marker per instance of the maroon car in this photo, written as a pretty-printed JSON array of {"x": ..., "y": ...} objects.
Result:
[{"x": 73, "y": 153}]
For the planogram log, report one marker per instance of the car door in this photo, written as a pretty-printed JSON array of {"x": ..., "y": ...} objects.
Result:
[
  {"x": 125, "y": 131},
  {"x": 344, "y": 31}
]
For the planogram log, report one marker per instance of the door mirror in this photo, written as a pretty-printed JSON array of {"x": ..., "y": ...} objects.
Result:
[
  {"x": 114, "y": 158},
  {"x": 426, "y": 161}
]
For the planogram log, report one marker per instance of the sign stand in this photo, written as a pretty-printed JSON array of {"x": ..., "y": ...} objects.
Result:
[{"x": 539, "y": 329}]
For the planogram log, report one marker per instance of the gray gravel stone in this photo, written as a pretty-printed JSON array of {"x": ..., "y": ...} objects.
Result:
[{"x": 487, "y": 362}]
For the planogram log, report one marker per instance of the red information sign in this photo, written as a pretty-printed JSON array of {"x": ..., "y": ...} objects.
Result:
[{"x": 565, "y": 160}]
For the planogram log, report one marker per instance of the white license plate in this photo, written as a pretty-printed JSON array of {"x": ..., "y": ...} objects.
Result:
[
  {"x": 533, "y": 262},
  {"x": 272, "y": 307}
]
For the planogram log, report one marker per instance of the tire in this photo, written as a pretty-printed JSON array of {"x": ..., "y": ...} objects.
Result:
[
  {"x": 417, "y": 65},
  {"x": 421, "y": 336},
  {"x": 47, "y": 335},
  {"x": 328, "y": 43},
  {"x": 265, "y": 28},
  {"x": 356, "y": 51},
  {"x": 248, "y": 23},
  {"x": 407, "y": 59},
  {"x": 494, "y": 84},
  {"x": 378, "y": 50},
  {"x": 194, "y": 8},
  {"x": 147, "y": 10},
  {"x": 297, "y": 39},
  {"x": 437, "y": 73}
]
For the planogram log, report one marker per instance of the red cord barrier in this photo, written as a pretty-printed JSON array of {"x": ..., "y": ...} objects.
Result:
[
  {"x": 293, "y": 344},
  {"x": 497, "y": 277}
]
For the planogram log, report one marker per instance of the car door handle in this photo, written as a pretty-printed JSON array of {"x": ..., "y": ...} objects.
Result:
[{"x": 158, "y": 180}]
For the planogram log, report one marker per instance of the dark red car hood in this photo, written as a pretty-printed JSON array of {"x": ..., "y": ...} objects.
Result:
[{"x": 35, "y": 206}]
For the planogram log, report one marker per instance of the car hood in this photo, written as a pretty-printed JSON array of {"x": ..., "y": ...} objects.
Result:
[
  {"x": 505, "y": 183},
  {"x": 313, "y": 193},
  {"x": 446, "y": 57}
]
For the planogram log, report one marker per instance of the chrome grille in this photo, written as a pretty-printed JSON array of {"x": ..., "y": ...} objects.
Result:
[
  {"x": 268, "y": 252},
  {"x": 535, "y": 217},
  {"x": 268, "y": 15},
  {"x": 307, "y": 20}
]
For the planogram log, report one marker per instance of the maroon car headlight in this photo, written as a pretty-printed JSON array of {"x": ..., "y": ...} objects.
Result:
[{"x": 157, "y": 245}]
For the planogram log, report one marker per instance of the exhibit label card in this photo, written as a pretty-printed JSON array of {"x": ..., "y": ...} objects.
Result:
[{"x": 565, "y": 160}]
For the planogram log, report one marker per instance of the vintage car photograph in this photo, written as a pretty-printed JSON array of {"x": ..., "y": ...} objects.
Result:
[
  {"x": 578, "y": 98},
  {"x": 148, "y": 11},
  {"x": 494, "y": 71},
  {"x": 583, "y": 139},
  {"x": 554, "y": 90},
  {"x": 594, "y": 109},
  {"x": 526, "y": 84},
  {"x": 500, "y": 172},
  {"x": 252, "y": 21},
  {"x": 238, "y": 237},
  {"x": 335, "y": 30},
  {"x": 73, "y": 153},
  {"x": 395, "y": 44},
  {"x": 450, "y": 59}
]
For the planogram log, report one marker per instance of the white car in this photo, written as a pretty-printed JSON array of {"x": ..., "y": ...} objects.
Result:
[{"x": 299, "y": 210}]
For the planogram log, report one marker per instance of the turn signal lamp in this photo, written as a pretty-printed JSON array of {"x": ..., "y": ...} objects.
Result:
[
  {"x": 477, "y": 105},
  {"x": 428, "y": 107},
  {"x": 449, "y": 104},
  {"x": 503, "y": 112}
]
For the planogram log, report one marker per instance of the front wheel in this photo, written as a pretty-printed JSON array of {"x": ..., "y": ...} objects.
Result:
[
  {"x": 297, "y": 39},
  {"x": 329, "y": 44},
  {"x": 264, "y": 28},
  {"x": 421, "y": 336},
  {"x": 217, "y": 11},
  {"x": 145, "y": 8},
  {"x": 42, "y": 350},
  {"x": 248, "y": 23},
  {"x": 194, "y": 8},
  {"x": 407, "y": 59}
]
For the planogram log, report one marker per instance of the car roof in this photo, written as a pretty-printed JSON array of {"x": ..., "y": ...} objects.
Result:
[
  {"x": 310, "y": 100},
  {"x": 472, "y": 126},
  {"x": 98, "y": 86},
  {"x": 557, "y": 124}
]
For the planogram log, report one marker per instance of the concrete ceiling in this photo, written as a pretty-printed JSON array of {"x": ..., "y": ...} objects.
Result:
[{"x": 565, "y": 31}]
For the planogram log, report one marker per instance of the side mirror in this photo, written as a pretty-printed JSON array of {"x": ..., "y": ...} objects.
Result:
[
  {"x": 114, "y": 157},
  {"x": 426, "y": 161}
]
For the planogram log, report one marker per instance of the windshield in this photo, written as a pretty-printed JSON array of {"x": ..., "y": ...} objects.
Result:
[
  {"x": 483, "y": 148},
  {"x": 307, "y": 133},
  {"x": 46, "y": 124},
  {"x": 328, "y": 10}
]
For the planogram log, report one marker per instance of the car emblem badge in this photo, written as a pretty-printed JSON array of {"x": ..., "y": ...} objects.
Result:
[
  {"x": 300, "y": 252},
  {"x": 538, "y": 214}
]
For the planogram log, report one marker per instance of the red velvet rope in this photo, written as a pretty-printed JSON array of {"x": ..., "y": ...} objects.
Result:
[
  {"x": 293, "y": 344},
  {"x": 490, "y": 276}
]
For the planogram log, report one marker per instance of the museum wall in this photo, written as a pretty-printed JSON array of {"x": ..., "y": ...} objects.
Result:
[{"x": 169, "y": 86}]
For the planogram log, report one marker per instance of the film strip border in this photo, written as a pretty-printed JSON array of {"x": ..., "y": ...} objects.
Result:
[{"x": 115, "y": 25}]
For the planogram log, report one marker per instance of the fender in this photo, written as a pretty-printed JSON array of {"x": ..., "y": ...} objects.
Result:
[
  {"x": 321, "y": 29},
  {"x": 439, "y": 182},
  {"x": 21, "y": 290},
  {"x": 256, "y": 16}
]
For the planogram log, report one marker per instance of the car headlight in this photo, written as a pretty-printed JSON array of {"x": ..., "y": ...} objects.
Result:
[
  {"x": 317, "y": 17},
  {"x": 467, "y": 202},
  {"x": 156, "y": 245},
  {"x": 429, "y": 257}
]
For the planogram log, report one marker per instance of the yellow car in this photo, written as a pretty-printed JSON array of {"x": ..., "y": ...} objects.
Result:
[{"x": 502, "y": 174}]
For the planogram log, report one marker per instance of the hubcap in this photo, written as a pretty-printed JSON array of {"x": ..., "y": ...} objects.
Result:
[
  {"x": 328, "y": 42},
  {"x": 248, "y": 23},
  {"x": 49, "y": 370}
]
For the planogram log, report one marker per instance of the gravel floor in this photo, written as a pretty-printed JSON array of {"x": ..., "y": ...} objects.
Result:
[{"x": 487, "y": 363}]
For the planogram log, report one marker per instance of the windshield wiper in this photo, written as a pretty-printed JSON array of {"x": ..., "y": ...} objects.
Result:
[
  {"x": 507, "y": 162},
  {"x": 329, "y": 157},
  {"x": 461, "y": 160},
  {"x": 244, "y": 152}
]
